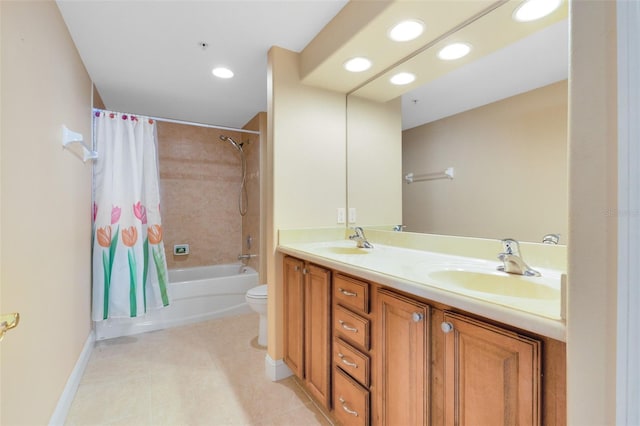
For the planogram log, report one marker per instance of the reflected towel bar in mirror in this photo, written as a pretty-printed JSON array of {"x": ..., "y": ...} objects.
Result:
[{"x": 447, "y": 174}]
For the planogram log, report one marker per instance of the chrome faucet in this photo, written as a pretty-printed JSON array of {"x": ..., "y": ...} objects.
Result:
[
  {"x": 360, "y": 239},
  {"x": 512, "y": 260},
  {"x": 551, "y": 239},
  {"x": 399, "y": 228}
]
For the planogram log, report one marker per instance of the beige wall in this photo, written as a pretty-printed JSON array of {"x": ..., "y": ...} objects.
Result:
[
  {"x": 200, "y": 179},
  {"x": 97, "y": 99},
  {"x": 45, "y": 196},
  {"x": 592, "y": 256},
  {"x": 374, "y": 165},
  {"x": 307, "y": 166},
  {"x": 510, "y": 163}
]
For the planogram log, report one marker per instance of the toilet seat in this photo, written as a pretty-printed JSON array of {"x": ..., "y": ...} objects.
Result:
[{"x": 259, "y": 292}]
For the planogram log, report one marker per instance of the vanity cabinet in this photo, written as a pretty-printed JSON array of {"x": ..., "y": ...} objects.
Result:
[
  {"x": 307, "y": 331},
  {"x": 403, "y": 361},
  {"x": 439, "y": 367},
  {"x": 293, "y": 315},
  {"x": 351, "y": 350},
  {"x": 377, "y": 356},
  {"x": 492, "y": 375}
]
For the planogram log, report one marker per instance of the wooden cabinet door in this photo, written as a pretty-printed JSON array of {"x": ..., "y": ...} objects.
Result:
[
  {"x": 318, "y": 333},
  {"x": 293, "y": 316},
  {"x": 492, "y": 376},
  {"x": 403, "y": 360}
]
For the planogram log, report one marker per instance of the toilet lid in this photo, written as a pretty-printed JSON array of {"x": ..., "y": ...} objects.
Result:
[{"x": 259, "y": 292}]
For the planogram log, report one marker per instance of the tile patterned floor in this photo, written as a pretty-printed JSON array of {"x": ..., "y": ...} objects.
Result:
[{"x": 210, "y": 373}]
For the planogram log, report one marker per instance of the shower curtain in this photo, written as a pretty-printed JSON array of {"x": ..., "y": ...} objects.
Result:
[{"x": 129, "y": 266}]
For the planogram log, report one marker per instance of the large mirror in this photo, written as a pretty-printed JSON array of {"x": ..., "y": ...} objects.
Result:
[{"x": 475, "y": 147}]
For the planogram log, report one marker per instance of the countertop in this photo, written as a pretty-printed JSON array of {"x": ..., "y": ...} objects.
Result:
[{"x": 409, "y": 270}]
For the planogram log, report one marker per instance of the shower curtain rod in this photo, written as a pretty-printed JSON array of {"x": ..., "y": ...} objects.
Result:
[{"x": 190, "y": 123}]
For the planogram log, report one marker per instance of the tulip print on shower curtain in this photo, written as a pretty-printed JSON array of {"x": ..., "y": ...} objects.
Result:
[
  {"x": 155, "y": 238},
  {"x": 105, "y": 240},
  {"x": 127, "y": 222}
]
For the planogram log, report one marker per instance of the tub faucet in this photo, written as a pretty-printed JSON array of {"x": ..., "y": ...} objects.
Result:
[
  {"x": 360, "y": 239},
  {"x": 512, "y": 260}
]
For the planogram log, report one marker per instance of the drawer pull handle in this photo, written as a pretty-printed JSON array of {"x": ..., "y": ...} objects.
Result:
[
  {"x": 345, "y": 361},
  {"x": 347, "y": 326},
  {"x": 348, "y": 293},
  {"x": 347, "y": 409}
]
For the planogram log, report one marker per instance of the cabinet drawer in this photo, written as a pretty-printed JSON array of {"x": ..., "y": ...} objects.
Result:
[
  {"x": 351, "y": 293},
  {"x": 351, "y": 361},
  {"x": 351, "y": 327},
  {"x": 351, "y": 401}
]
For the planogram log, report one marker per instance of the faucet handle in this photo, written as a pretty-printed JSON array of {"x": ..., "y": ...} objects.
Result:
[
  {"x": 359, "y": 232},
  {"x": 511, "y": 246},
  {"x": 360, "y": 238},
  {"x": 551, "y": 239}
]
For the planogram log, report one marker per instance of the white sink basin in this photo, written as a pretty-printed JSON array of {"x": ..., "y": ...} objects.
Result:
[{"x": 496, "y": 283}]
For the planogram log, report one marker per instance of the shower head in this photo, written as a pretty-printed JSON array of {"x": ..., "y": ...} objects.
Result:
[{"x": 235, "y": 144}]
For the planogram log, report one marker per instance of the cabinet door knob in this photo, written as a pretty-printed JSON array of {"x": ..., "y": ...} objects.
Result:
[
  {"x": 296, "y": 268},
  {"x": 446, "y": 327},
  {"x": 417, "y": 316}
]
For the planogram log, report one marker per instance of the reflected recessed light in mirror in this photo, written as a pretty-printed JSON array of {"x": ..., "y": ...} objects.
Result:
[
  {"x": 406, "y": 30},
  {"x": 454, "y": 51},
  {"x": 222, "y": 72},
  {"x": 357, "y": 64},
  {"x": 402, "y": 78},
  {"x": 530, "y": 10}
]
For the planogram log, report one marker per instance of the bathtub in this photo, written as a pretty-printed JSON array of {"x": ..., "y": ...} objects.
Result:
[{"x": 197, "y": 294}]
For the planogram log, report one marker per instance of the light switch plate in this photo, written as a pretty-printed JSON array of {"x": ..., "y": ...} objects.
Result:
[
  {"x": 341, "y": 215},
  {"x": 352, "y": 215}
]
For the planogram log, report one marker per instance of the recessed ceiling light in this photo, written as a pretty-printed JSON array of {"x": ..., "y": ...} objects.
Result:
[
  {"x": 454, "y": 51},
  {"x": 357, "y": 64},
  {"x": 402, "y": 78},
  {"x": 530, "y": 10},
  {"x": 222, "y": 72},
  {"x": 406, "y": 30}
]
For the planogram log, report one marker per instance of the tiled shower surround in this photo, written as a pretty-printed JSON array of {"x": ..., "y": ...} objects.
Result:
[{"x": 199, "y": 182}]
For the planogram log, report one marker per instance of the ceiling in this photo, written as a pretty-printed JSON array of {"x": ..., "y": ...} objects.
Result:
[
  {"x": 529, "y": 63},
  {"x": 146, "y": 56}
]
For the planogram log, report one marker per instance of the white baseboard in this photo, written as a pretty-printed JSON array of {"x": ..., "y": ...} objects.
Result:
[
  {"x": 64, "y": 403},
  {"x": 276, "y": 369}
]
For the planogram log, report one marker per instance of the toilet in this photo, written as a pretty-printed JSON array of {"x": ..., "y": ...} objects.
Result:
[{"x": 257, "y": 300}]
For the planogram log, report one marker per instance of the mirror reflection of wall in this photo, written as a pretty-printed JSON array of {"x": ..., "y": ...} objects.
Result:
[
  {"x": 498, "y": 117},
  {"x": 374, "y": 166},
  {"x": 509, "y": 159}
]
